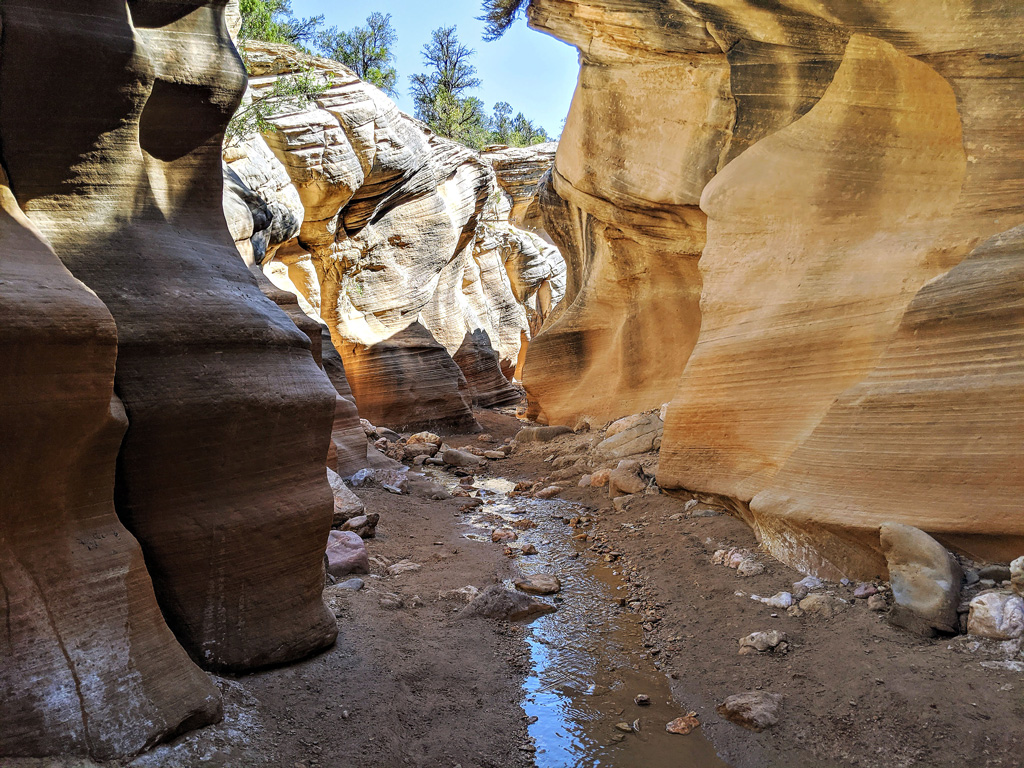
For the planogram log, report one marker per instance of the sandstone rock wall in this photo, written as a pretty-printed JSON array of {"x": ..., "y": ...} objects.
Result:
[
  {"x": 111, "y": 121},
  {"x": 403, "y": 248},
  {"x": 775, "y": 218}
]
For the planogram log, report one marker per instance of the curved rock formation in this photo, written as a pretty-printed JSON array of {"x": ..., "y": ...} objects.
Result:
[
  {"x": 404, "y": 248},
  {"x": 831, "y": 168},
  {"x": 519, "y": 171},
  {"x": 76, "y": 601},
  {"x": 111, "y": 120}
]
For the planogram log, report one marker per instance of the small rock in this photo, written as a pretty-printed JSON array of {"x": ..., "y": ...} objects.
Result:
[
  {"x": 996, "y": 573},
  {"x": 622, "y": 502},
  {"x": 416, "y": 601},
  {"x": 626, "y": 479},
  {"x": 750, "y": 568},
  {"x": 877, "y": 603},
  {"x": 683, "y": 725},
  {"x": 364, "y": 526},
  {"x": 346, "y": 554},
  {"x": 495, "y": 455},
  {"x": 486, "y": 437},
  {"x": 997, "y": 615},
  {"x": 540, "y": 584},
  {"x": 528, "y": 549},
  {"x": 773, "y": 640},
  {"x": 458, "y": 458},
  {"x": 499, "y": 535},
  {"x": 781, "y": 600},
  {"x": 820, "y": 605},
  {"x": 642, "y": 700},
  {"x": 584, "y": 481},
  {"x": 464, "y": 594},
  {"x": 548, "y": 493},
  {"x": 864, "y": 591},
  {"x": 754, "y": 710},
  {"x": 524, "y": 525},
  {"x": 390, "y": 601},
  {"x": 600, "y": 478},
  {"x": 1017, "y": 575},
  {"x": 624, "y": 727},
  {"x": 403, "y": 566},
  {"x": 353, "y": 584},
  {"x": 496, "y": 602},
  {"x": 426, "y": 438}
]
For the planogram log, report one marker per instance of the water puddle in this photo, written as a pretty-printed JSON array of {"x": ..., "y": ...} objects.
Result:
[{"x": 588, "y": 658}]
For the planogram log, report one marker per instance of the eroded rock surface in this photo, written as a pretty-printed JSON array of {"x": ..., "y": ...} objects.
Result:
[
  {"x": 849, "y": 177},
  {"x": 111, "y": 121},
  {"x": 403, "y": 249}
]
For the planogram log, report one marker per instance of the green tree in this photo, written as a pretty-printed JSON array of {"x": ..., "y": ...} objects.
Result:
[
  {"x": 501, "y": 123},
  {"x": 440, "y": 93},
  {"x": 273, "y": 21},
  {"x": 367, "y": 51},
  {"x": 499, "y": 15}
]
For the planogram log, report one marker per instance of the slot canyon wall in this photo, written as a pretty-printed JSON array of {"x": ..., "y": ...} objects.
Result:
[
  {"x": 800, "y": 225},
  {"x": 400, "y": 242},
  {"x": 163, "y": 424}
]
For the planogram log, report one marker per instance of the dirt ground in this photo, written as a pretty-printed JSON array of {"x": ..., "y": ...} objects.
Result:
[
  {"x": 856, "y": 690},
  {"x": 417, "y": 686}
]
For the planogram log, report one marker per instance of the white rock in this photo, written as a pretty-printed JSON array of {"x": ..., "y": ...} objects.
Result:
[{"x": 996, "y": 615}]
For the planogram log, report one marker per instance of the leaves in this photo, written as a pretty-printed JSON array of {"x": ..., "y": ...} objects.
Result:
[
  {"x": 499, "y": 16},
  {"x": 367, "y": 51}
]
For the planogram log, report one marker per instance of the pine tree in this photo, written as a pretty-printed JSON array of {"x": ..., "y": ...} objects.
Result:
[
  {"x": 499, "y": 16},
  {"x": 367, "y": 51}
]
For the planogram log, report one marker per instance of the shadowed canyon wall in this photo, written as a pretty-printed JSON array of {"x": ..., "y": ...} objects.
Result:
[
  {"x": 141, "y": 321},
  {"x": 399, "y": 241},
  {"x": 779, "y": 220}
]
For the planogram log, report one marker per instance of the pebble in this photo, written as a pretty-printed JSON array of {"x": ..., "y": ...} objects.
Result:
[
  {"x": 354, "y": 584},
  {"x": 528, "y": 549},
  {"x": 773, "y": 640},
  {"x": 548, "y": 493},
  {"x": 642, "y": 699},
  {"x": 624, "y": 727},
  {"x": 754, "y": 710},
  {"x": 1017, "y": 575},
  {"x": 502, "y": 534},
  {"x": 995, "y": 573},
  {"x": 683, "y": 725}
]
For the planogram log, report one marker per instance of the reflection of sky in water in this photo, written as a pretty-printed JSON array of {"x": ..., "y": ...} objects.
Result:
[{"x": 587, "y": 658}]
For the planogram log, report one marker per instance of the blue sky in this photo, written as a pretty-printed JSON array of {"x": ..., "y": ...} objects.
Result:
[{"x": 533, "y": 72}]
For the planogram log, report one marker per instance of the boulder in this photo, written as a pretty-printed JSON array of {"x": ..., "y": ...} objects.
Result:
[
  {"x": 639, "y": 435},
  {"x": 346, "y": 504},
  {"x": 627, "y": 478},
  {"x": 754, "y": 710},
  {"x": 496, "y": 602},
  {"x": 457, "y": 458},
  {"x": 997, "y": 616},
  {"x": 346, "y": 554},
  {"x": 925, "y": 580},
  {"x": 539, "y": 584}
]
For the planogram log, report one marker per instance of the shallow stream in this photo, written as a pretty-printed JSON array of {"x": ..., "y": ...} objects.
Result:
[{"x": 588, "y": 659}]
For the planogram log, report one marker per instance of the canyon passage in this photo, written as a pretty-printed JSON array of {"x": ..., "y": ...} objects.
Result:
[{"x": 335, "y": 435}]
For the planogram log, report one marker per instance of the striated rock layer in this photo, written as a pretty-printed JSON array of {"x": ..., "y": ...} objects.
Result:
[
  {"x": 777, "y": 218},
  {"x": 111, "y": 120},
  {"x": 76, "y": 602},
  {"x": 403, "y": 248}
]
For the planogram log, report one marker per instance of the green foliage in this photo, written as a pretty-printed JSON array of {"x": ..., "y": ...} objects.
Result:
[
  {"x": 289, "y": 93},
  {"x": 499, "y": 16},
  {"x": 442, "y": 101},
  {"x": 367, "y": 51},
  {"x": 272, "y": 21}
]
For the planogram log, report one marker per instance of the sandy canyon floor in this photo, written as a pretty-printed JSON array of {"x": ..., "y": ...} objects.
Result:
[{"x": 643, "y": 610}]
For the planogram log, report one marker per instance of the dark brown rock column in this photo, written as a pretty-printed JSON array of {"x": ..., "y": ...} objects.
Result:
[
  {"x": 87, "y": 664},
  {"x": 111, "y": 120}
]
